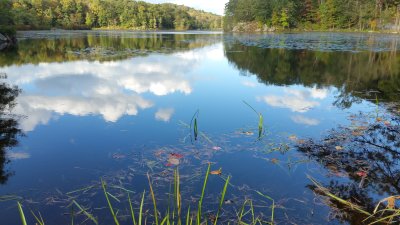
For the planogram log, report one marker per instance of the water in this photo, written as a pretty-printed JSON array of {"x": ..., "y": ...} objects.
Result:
[{"x": 118, "y": 105}]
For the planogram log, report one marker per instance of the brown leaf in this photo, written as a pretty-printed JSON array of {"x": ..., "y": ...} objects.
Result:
[
  {"x": 216, "y": 172},
  {"x": 391, "y": 201}
]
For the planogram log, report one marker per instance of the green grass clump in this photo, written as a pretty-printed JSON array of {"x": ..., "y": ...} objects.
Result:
[{"x": 171, "y": 217}]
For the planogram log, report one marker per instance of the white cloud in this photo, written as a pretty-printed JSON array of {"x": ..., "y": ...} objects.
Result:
[
  {"x": 215, "y": 6},
  {"x": 164, "y": 114},
  {"x": 297, "y": 100},
  {"x": 18, "y": 155},
  {"x": 249, "y": 83},
  {"x": 300, "y": 119}
]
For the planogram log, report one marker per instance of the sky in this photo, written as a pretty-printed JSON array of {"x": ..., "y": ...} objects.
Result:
[{"x": 215, "y": 6}]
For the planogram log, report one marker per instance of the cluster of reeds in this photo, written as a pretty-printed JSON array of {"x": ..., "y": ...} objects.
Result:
[{"x": 171, "y": 216}]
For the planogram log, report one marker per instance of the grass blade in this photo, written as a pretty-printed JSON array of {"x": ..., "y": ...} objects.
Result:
[
  {"x": 195, "y": 131},
  {"x": 222, "y": 199},
  {"x": 88, "y": 215},
  {"x": 188, "y": 216},
  {"x": 154, "y": 200},
  {"x": 131, "y": 209},
  {"x": 177, "y": 195},
  {"x": 40, "y": 221},
  {"x": 260, "y": 121},
  {"x": 141, "y": 209},
  {"x": 103, "y": 185},
  {"x": 272, "y": 207},
  {"x": 202, "y": 194},
  {"x": 260, "y": 126},
  {"x": 21, "y": 214}
]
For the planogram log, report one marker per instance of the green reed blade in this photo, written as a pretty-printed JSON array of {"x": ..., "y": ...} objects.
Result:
[
  {"x": 88, "y": 215},
  {"x": 131, "y": 209},
  {"x": 81, "y": 190},
  {"x": 194, "y": 122},
  {"x": 222, "y": 199},
  {"x": 40, "y": 221},
  {"x": 241, "y": 214},
  {"x": 195, "y": 129},
  {"x": 21, "y": 214},
  {"x": 250, "y": 107},
  {"x": 188, "y": 216},
  {"x": 177, "y": 195},
  {"x": 252, "y": 212},
  {"x": 141, "y": 209},
  {"x": 164, "y": 220},
  {"x": 72, "y": 215},
  {"x": 202, "y": 194},
  {"x": 154, "y": 200},
  {"x": 260, "y": 126},
  {"x": 103, "y": 185},
  {"x": 272, "y": 207}
]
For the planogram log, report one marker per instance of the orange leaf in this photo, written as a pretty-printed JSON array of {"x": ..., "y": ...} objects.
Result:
[{"x": 216, "y": 172}]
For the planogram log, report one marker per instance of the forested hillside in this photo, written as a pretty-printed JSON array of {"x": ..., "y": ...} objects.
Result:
[
  {"x": 315, "y": 14},
  {"x": 84, "y": 14}
]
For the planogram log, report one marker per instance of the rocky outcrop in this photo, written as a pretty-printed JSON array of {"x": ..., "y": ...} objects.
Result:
[{"x": 252, "y": 27}]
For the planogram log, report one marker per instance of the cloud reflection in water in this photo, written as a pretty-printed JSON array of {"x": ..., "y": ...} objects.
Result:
[{"x": 109, "y": 89}]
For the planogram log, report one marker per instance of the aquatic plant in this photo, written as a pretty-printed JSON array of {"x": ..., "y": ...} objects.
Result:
[
  {"x": 260, "y": 121},
  {"x": 171, "y": 216},
  {"x": 194, "y": 122}
]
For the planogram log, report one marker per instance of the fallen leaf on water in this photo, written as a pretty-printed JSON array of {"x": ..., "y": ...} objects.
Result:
[
  {"x": 173, "y": 161},
  {"x": 216, "y": 172},
  {"x": 356, "y": 133},
  {"x": 159, "y": 153},
  {"x": 228, "y": 202},
  {"x": 301, "y": 141},
  {"x": 391, "y": 201},
  {"x": 118, "y": 156},
  {"x": 293, "y": 137},
  {"x": 361, "y": 173},
  {"x": 176, "y": 155},
  {"x": 274, "y": 160},
  {"x": 361, "y": 128},
  {"x": 339, "y": 148},
  {"x": 387, "y": 123},
  {"x": 216, "y": 148},
  {"x": 378, "y": 119}
]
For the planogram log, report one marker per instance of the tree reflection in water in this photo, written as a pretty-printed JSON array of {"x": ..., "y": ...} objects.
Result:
[
  {"x": 367, "y": 153},
  {"x": 8, "y": 126}
]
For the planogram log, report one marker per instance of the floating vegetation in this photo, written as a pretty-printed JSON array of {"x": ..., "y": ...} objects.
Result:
[{"x": 367, "y": 155}]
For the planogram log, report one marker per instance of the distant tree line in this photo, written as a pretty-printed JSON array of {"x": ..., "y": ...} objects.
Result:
[
  {"x": 315, "y": 14},
  {"x": 84, "y": 14}
]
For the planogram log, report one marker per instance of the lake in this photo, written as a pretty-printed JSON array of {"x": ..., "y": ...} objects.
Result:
[{"x": 280, "y": 116}]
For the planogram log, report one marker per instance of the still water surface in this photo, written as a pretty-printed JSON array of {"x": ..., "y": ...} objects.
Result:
[{"x": 117, "y": 105}]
